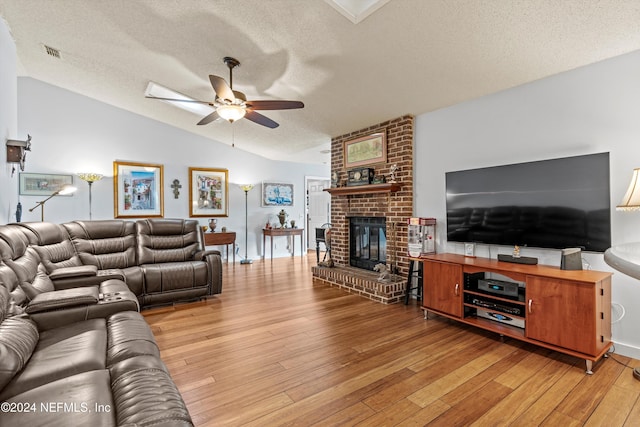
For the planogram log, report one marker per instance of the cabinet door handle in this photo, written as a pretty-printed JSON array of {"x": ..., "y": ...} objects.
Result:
[
  {"x": 530, "y": 303},
  {"x": 457, "y": 289}
]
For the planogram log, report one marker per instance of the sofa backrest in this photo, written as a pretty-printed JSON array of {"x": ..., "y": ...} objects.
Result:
[
  {"x": 105, "y": 244},
  {"x": 11, "y": 284},
  {"x": 52, "y": 243},
  {"x": 24, "y": 261},
  {"x": 167, "y": 240}
]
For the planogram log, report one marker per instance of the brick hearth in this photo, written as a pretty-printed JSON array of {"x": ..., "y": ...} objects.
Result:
[
  {"x": 396, "y": 207},
  {"x": 363, "y": 283}
]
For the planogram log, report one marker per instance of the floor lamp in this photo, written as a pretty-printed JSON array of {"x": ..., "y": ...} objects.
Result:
[
  {"x": 246, "y": 188},
  {"x": 90, "y": 178},
  {"x": 66, "y": 189},
  {"x": 624, "y": 257}
]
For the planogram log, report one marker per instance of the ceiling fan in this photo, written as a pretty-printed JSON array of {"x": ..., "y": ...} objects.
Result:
[{"x": 232, "y": 105}]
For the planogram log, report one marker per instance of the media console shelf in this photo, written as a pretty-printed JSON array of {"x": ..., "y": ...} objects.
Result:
[{"x": 567, "y": 311}]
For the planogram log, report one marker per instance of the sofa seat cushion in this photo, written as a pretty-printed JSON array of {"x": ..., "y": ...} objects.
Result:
[
  {"x": 129, "y": 335},
  {"x": 145, "y": 395},
  {"x": 80, "y": 400},
  {"x": 18, "y": 339},
  {"x": 62, "y": 352},
  {"x": 172, "y": 276}
]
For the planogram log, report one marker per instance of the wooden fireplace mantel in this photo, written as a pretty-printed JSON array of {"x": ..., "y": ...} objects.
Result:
[{"x": 364, "y": 189}]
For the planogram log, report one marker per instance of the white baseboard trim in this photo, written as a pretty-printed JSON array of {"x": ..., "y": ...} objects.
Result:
[{"x": 627, "y": 350}]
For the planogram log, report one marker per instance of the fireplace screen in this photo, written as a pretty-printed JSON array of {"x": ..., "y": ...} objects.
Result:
[{"x": 367, "y": 242}]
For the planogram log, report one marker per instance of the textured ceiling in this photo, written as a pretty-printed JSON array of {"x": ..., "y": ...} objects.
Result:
[{"x": 407, "y": 57}]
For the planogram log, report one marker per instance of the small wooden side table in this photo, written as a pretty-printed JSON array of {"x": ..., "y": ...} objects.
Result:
[
  {"x": 227, "y": 238},
  {"x": 271, "y": 232}
]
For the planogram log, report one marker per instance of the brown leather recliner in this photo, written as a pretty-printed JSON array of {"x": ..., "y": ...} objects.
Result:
[{"x": 24, "y": 276}]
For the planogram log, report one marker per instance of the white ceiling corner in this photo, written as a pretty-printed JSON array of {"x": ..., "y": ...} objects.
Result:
[{"x": 356, "y": 11}]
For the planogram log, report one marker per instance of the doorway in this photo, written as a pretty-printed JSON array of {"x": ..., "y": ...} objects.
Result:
[{"x": 318, "y": 206}]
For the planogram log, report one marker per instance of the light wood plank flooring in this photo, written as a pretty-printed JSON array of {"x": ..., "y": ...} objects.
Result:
[{"x": 275, "y": 348}]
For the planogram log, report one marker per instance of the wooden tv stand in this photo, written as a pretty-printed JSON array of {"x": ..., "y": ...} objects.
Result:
[{"x": 562, "y": 310}]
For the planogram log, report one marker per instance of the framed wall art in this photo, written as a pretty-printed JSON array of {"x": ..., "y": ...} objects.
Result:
[
  {"x": 43, "y": 184},
  {"x": 366, "y": 150},
  {"x": 208, "y": 192},
  {"x": 138, "y": 190},
  {"x": 277, "y": 194}
]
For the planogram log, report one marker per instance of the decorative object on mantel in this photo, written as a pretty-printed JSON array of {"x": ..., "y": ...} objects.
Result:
[
  {"x": 67, "y": 189},
  {"x": 176, "y": 188},
  {"x": 366, "y": 150},
  {"x": 246, "y": 188},
  {"x": 379, "y": 179},
  {"x": 16, "y": 152},
  {"x": 392, "y": 173},
  {"x": 335, "y": 178},
  {"x": 90, "y": 178},
  {"x": 293, "y": 223},
  {"x": 212, "y": 224},
  {"x": 360, "y": 176},
  {"x": 282, "y": 217}
]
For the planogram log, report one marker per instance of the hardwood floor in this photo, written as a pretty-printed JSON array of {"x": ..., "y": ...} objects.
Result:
[{"x": 275, "y": 348}]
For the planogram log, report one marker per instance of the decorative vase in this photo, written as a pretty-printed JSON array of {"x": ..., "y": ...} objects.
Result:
[
  {"x": 282, "y": 217},
  {"x": 212, "y": 224},
  {"x": 293, "y": 223}
]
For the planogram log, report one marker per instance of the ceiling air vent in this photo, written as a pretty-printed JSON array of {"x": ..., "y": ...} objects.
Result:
[{"x": 51, "y": 51}]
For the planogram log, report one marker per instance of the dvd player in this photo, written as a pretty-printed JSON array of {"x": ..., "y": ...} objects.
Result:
[{"x": 499, "y": 287}]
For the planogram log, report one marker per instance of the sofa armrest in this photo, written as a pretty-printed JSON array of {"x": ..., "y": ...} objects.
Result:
[
  {"x": 49, "y": 301},
  {"x": 213, "y": 259},
  {"x": 202, "y": 255},
  {"x": 76, "y": 271}
]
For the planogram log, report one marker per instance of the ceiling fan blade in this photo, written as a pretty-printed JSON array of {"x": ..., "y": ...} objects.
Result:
[
  {"x": 209, "y": 118},
  {"x": 179, "y": 100},
  {"x": 274, "y": 105},
  {"x": 260, "y": 119},
  {"x": 221, "y": 88}
]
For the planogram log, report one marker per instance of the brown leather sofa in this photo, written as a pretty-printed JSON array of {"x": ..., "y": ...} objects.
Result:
[
  {"x": 74, "y": 350},
  {"x": 102, "y": 371},
  {"x": 162, "y": 261}
]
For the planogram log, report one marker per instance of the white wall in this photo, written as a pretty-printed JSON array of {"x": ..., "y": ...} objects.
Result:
[
  {"x": 8, "y": 121},
  {"x": 72, "y": 133},
  {"x": 589, "y": 110}
]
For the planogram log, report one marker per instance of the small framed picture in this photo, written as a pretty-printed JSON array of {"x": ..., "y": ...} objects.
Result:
[{"x": 470, "y": 249}]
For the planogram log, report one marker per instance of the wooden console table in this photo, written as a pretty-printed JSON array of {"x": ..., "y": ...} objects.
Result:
[
  {"x": 226, "y": 238},
  {"x": 271, "y": 232}
]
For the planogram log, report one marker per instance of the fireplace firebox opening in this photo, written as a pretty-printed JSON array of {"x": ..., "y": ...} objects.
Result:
[{"x": 367, "y": 242}]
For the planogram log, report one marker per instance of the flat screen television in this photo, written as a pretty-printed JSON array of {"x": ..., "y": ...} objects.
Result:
[{"x": 557, "y": 203}]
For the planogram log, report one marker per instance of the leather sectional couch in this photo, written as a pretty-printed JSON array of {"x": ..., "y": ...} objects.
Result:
[
  {"x": 74, "y": 349},
  {"x": 162, "y": 260}
]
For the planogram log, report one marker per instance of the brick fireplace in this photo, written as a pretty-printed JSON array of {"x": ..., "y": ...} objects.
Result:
[{"x": 395, "y": 206}]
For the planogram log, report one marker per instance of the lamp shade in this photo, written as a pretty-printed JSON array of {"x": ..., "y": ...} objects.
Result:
[
  {"x": 66, "y": 189},
  {"x": 631, "y": 199},
  {"x": 246, "y": 187},
  {"x": 231, "y": 112}
]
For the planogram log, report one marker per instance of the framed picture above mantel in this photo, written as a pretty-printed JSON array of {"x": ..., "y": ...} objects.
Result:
[{"x": 366, "y": 150}]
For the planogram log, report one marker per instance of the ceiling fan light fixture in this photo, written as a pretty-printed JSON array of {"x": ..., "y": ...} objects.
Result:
[{"x": 231, "y": 112}]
